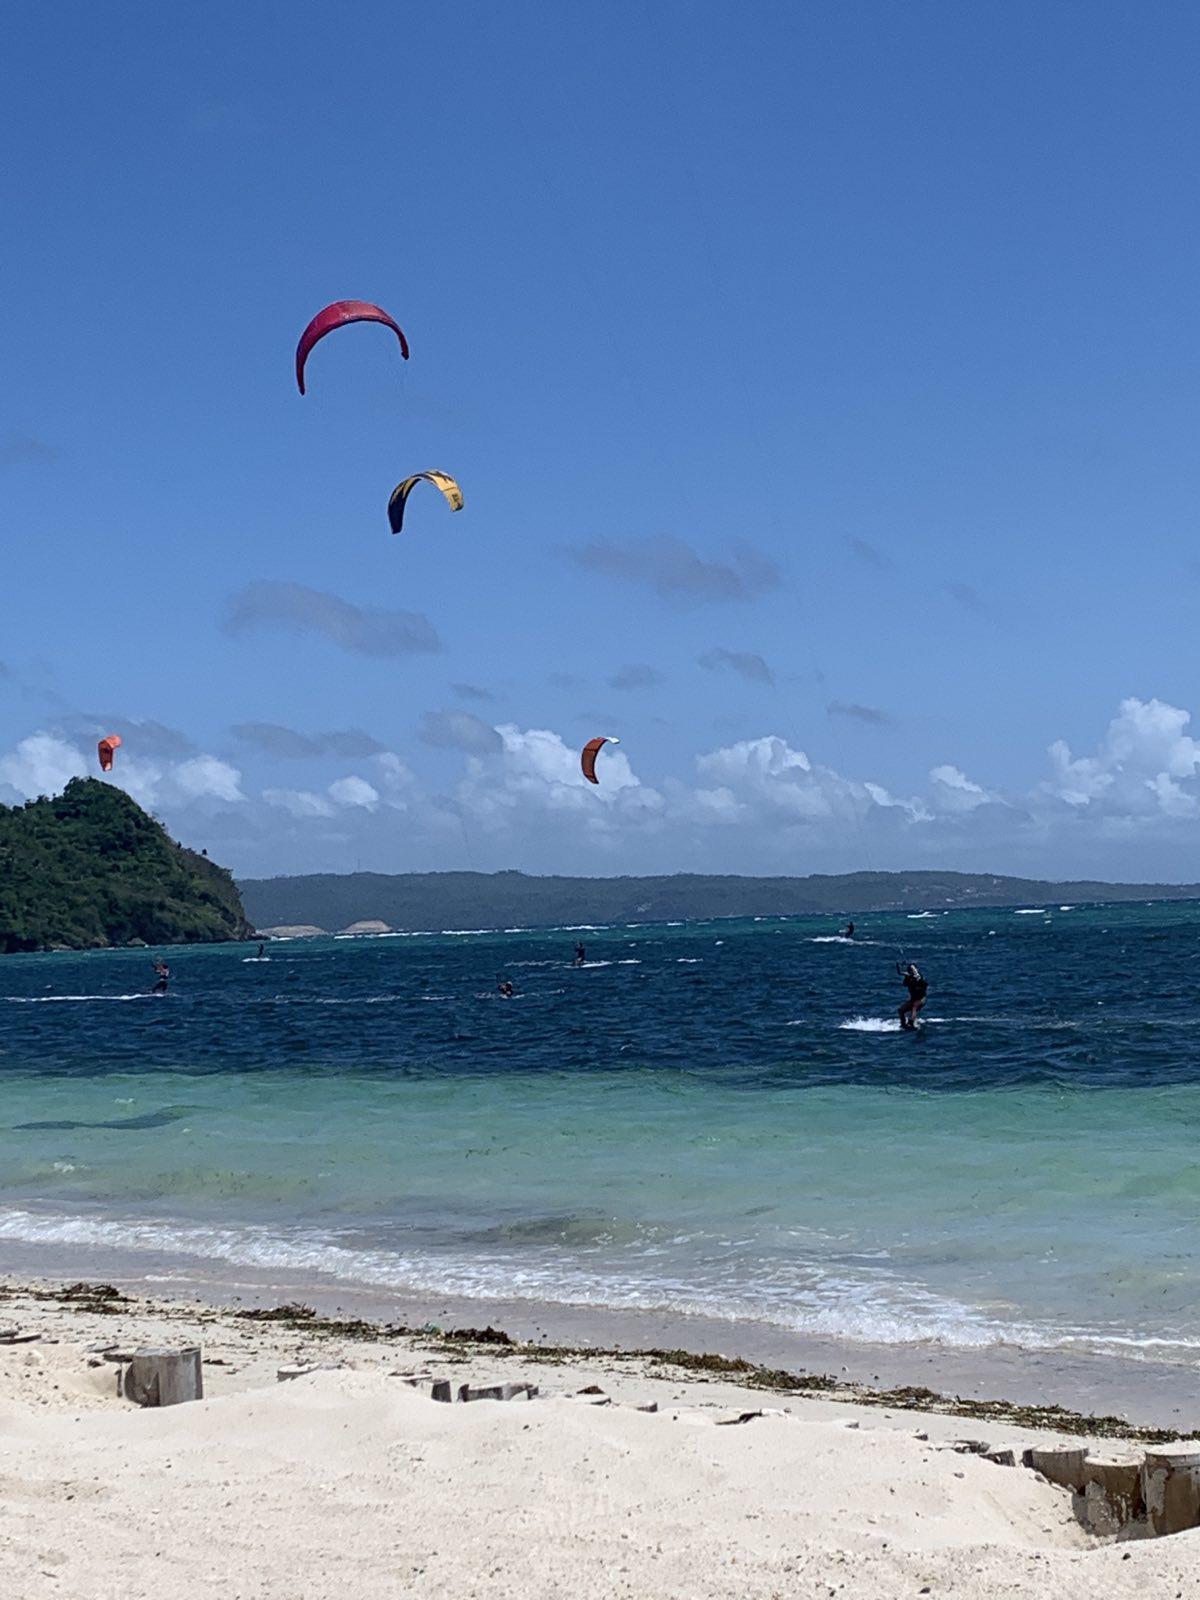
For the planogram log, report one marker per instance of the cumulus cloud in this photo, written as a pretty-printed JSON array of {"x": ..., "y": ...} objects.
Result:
[
  {"x": 273, "y": 739},
  {"x": 671, "y": 568},
  {"x": 459, "y": 730},
  {"x": 41, "y": 764},
  {"x": 858, "y": 713},
  {"x": 1125, "y": 809},
  {"x": 354, "y": 791},
  {"x": 1146, "y": 764},
  {"x": 360, "y": 630},
  {"x": 300, "y": 802},
  {"x": 954, "y": 791},
  {"x": 636, "y": 675},
  {"x": 744, "y": 662}
]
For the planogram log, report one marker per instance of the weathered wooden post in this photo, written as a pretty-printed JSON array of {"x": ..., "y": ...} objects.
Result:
[{"x": 156, "y": 1377}]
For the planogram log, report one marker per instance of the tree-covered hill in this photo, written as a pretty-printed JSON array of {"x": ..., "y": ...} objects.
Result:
[
  {"x": 436, "y": 900},
  {"x": 90, "y": 867}
]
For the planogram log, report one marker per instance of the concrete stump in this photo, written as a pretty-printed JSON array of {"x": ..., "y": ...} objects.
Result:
[
  {"x": 1112, "y": 1494},
  {"x": 1060, "y": 1463},
  {"x": 164, "y": 1377},
  {"x": 498, "y": 1391},
  {"x": 1171, "y": 1485}
]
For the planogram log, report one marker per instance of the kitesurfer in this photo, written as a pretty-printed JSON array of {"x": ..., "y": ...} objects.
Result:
[
  {"x": 162, "y": 976},
  {"x": 848, "y": 931},
  {"x": 580, "y": 955},
  {"x": 506, "y": 988},
  {"x": 917, "y": 988},
  {"x": 261, "y": 949}
]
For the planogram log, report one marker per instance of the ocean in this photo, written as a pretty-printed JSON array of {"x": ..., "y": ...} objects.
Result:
[{"x": 718, "y": 1118}]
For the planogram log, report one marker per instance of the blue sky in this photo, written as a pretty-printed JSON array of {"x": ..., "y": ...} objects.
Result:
[{"x": 849, "y": 350}]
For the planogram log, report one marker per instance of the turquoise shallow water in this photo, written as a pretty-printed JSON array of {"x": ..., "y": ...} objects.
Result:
[{"x": 716, "y": 1118}]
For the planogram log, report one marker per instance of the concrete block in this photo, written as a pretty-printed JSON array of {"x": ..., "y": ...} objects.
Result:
[
  {"x": 1112, "y": 1494},
  {"x": 1060, "y": 1463},
  {"x": 1171, "y": 1486}
]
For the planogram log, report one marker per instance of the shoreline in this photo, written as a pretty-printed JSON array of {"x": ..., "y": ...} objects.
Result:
[
  {"x": 623, "y": 1473},
  {"x": 1103, "y": 1395}
]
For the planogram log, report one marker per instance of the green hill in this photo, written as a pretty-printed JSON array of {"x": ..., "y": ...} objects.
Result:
[
  {"x": 90, "y": 867},
  {"x": 437, "y": 900}
]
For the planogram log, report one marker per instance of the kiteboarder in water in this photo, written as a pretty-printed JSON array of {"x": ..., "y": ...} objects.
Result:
[
  {"x": 917, "y": 988},
  {"x": 162, "y": 976},
  {"x": 580, "y": 955},
  {"x": 848, "y": 931}
]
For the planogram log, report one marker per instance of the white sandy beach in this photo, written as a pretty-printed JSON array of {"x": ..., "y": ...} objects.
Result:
[{"x": 348, "y": 1481}]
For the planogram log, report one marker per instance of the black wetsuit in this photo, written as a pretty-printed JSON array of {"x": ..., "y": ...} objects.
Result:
[
  {"x": 917, "y": 988},
  {"x": 580, "y": 955}
]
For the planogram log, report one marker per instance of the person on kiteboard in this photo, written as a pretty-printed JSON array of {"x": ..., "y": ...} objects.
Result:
[{"x": 917, "y": 988}]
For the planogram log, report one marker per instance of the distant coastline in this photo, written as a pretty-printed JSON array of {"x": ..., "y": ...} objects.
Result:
[{"x": 441, "y": 900}]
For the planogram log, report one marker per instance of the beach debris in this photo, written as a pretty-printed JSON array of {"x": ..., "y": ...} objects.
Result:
[
  {"x": 498, "y": 1391},
  {"x": 969, "y": 1447},
  {"x": 592, "y": 1388},
  {"x": 92, "y": 1296},
  {"x": 1001, "y": 1458},
  {"x": 1171, "y": 1487},
  {"x": 161, "y": 1377},
  {"x": 15, "y": 1336},
  {"x": 442, "y": 1391},
  {"x": 488, "y": 1335},
  {"x": 742, "y": 1416},
  {"x": 652, "y": 1407}
]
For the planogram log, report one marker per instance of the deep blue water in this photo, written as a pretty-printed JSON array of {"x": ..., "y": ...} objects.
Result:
[{"x": 717, "y": 1117}]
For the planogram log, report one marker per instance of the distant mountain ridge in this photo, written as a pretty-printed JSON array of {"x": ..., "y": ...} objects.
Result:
[
  {"x": 89, "y": 868},
  {"x": 433, "y": 901}
]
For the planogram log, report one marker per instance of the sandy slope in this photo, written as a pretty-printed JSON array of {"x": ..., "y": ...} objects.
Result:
[{"x": 348, "y": 1483}]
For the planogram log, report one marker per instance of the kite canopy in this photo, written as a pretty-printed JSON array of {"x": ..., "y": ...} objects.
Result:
[
  {"x": 400, "y": 494},
  {"x": 588, "y": 756},
  {"x": 106, "y": 749},
  {"x": 339, "y": 315}
]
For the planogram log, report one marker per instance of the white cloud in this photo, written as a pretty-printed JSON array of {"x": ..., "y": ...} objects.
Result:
[
  {"x": 354, "y": 792},
  {"x": 954, "y": 791},
  {"x": 1146, "y": 764},
  {"x": 300, "y": 802},
  {"x": 42, "y": 764},
  {"x": 206, "y": 777},
  {"x": 1126, "y": 809}
]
